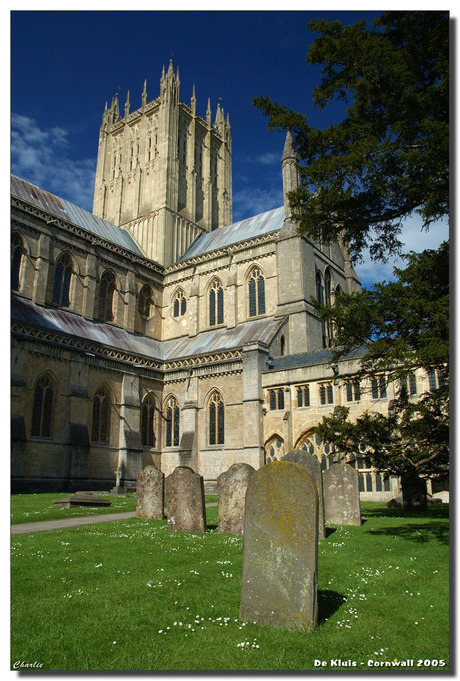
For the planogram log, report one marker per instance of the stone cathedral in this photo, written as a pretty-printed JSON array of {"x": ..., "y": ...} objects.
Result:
[{"x": 154, "y": 330}]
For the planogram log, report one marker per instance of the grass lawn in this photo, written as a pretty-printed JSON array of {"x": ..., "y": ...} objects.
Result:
[
  {"x": 28, "y": 508},
  {"x": 133, "y": 595}
]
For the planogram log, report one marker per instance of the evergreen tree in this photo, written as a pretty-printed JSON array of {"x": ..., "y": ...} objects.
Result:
[
  {"x": 389, "y": 155},
  {"x": 402, "y": 326}
]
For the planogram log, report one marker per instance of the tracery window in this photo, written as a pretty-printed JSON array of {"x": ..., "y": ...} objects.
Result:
[
  {"x": 17, "y": 252},
  {"x": 179, "y": 303},
  {"x": 145, "y": 302},
  {"x": 216, "y": 303},
  {"x": 324, "y": 451},
  {"x": 101, "y": 416},
  {"x": 107, "y": 287},
  {"x": 256, "y": 293},
  {"x": 42, "y": 407},
  {"x": 216, "y": 419},
  {"x": 62, "y": 279},
  {"x": 172, "y": 423},
  {"x": 147, "y": 421},
  {"x": 274, "y": 449}
]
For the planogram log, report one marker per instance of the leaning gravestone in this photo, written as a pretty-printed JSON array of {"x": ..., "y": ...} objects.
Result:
[
  {"x": 313, "y": 466},
  {"x": 341, "y": 495},
  {"x": 231, "y": 489},
  {"x": 280, "y": 552},
  {"x": 185, "y": 500},
  {"x": 150, "y": 493}
]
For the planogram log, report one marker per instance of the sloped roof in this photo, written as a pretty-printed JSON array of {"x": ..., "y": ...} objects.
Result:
[
  {"x": 211, "y": 341},
  {"x": 221, "y": 339},
  {"x": 250, "y": 228},
  {"x": 71, "y": 213},
  {"x": 311, "y": 358},
  {"x": 71, "y": 324}
]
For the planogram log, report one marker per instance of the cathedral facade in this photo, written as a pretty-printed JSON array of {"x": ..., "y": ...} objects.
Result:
[{"x": 154, "y": 330}]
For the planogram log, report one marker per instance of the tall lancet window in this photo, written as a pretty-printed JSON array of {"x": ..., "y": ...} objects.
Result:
[
  {"x": 172, "y": 423},
  {"x": 62, "y": 279},
  {"x": 42, "y": 406},
  {"x": 17, "y": 253},
  {"x": 216, "y": 419},
  {"x": 107, "y": 288},
  {"x": 216, "y": 303},
  {"x": 256, "y": 293}
]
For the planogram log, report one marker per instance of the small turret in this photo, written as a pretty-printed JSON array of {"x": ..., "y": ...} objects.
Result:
[
  {"x": 193, "y": 100},
  {"x": 289, "y": 161}
]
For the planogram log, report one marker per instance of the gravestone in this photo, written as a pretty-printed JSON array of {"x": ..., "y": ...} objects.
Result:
[
  {"x": 231, "y": 489},
  {"x": 280, "y": 551},
  {"x": 341, "y": 495},
  {"x": 150, "y": 493},
  {"x": 313, "y": 466},
  {"x": 81, "y": 499},
  {"x": 185, "y": 500}
]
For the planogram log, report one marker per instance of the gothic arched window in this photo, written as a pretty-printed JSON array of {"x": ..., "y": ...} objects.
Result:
[
  {"x": 327, "y": 301},
  {"x": 147, "y": 421},
  {"x": 172, "y": 423},
  {"x": 274, "y": 449},
  {"x": 179, "y": 303},
  {"x": 145, "y": 302},
  {"x": 62, "y": 278},
  {"x": 42, "y": 407},
  {"x": 319, "y": 288},
  {"x": 107, "y": 287},
  {"x": 256, "y": 293},
  {"x": 216, "y": 419},
  {"x": 17, "y": 252},
  {"x": 323, "y": 451},
  {"x": 101, "y": 416},
  {"x": 216, "y": 303}
]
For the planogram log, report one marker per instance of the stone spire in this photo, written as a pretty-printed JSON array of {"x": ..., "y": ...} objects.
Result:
[
  {"x": 127, "y": 106},
  {"x": 144, "y": 94}
]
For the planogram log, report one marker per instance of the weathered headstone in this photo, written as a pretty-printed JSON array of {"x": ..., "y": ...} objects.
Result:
[
  {"x": 313, "y": 466},
  {"x": 150, "y": 493},
  {"x": 81, "y": 499},
  {"x": 231, "y": 489},
  {"x": 341, "y": 495},
  {"x": 185, "y": 500},
  {"x": 280, "y": 552}
]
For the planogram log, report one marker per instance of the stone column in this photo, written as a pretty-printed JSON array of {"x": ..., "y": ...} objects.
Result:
[
  {"x": 130, "y": 445},
  {"x": 255, "y": 360}
]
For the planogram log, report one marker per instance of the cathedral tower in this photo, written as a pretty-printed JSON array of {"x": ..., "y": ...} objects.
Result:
[{"x": 164, "y": 173}]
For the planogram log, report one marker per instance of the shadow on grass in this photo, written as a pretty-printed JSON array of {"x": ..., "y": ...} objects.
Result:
[
  {"x": 434, "y": 511},
  {"x": 328, "y": 603},
  {"x": 330, "y": 530},
  {"x": 418, "y": 532}
]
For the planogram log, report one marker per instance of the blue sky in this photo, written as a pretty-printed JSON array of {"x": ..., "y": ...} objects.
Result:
[{"x": 66, "y": 65}]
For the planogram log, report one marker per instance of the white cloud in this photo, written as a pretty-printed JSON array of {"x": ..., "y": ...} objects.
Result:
[
  {"x": 255, "y": 200},
  {"x": 414, "y": 239},
  {"x": 42, "y": 157}
]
